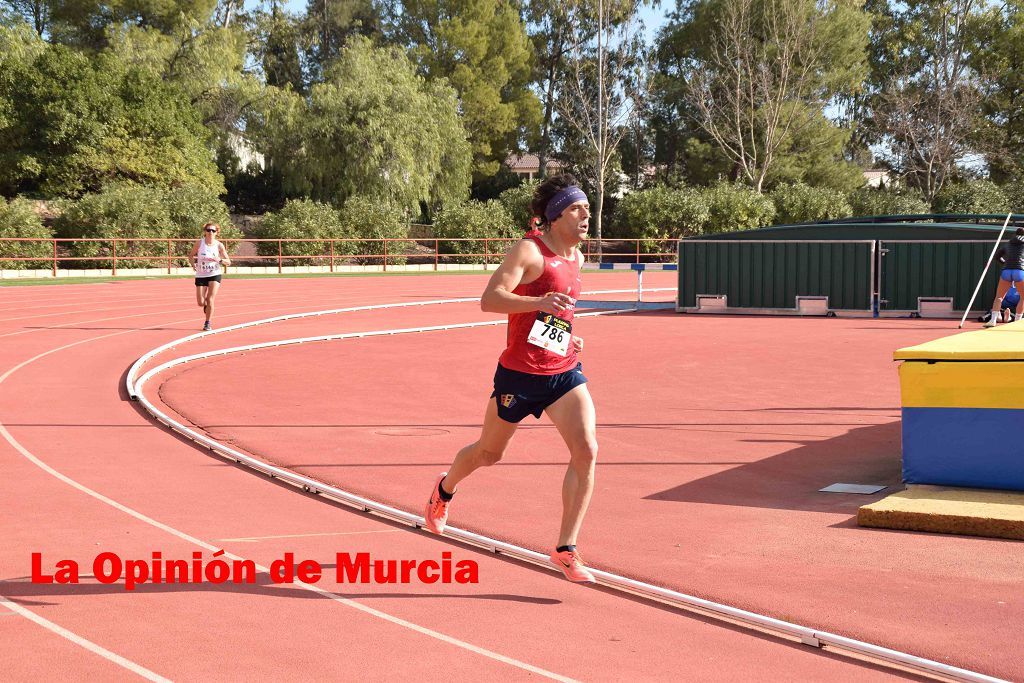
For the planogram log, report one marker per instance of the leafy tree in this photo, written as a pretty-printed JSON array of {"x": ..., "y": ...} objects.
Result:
[
  {"x": 83, "y": 23},
  {"x": 327, "y": 27},
  {"x": 759, "y": 73},
  {"x": 481, "y": 48},
  {"x": 928, "y": 110},
  {"x": 374, "y": 128},
  {"x": 278, "y": 35},
  {"x": 996, "y": 59},
  {"x": 71, "y": 124}
]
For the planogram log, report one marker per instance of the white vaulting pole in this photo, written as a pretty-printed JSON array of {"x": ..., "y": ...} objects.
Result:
[{"x": 985, "y": 272}]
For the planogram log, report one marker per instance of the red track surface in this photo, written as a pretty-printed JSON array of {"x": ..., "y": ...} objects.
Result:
[{"x": 714, "y": 441}]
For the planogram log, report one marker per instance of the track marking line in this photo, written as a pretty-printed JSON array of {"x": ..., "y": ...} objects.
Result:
[{"x": 136, "y": 669}]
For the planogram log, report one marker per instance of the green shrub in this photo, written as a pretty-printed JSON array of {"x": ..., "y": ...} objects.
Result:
[
  {"x": 871, "y": 201},
  {"x": 130, "y": 211},
  {"x": 737, "y": 207},
  {"x": 307, "y": 220},
  {"x": 190, "y": 208},
  {"x": 17, "y": 219},
  {"x": 516, "y": 201},
  {"x": 976, "y": 196},
  {"x": 473, "y": 219},
  {"x": 801, "y": 203},
  {"x": 375, "y": 219},
  {"x": 121, "y": 211},
  {"x": 660, "y": 213},
  {"x": 1014, "y": 192}
]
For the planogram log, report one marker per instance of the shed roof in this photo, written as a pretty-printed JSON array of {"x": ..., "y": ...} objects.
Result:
[{"x": 920, "y": 227}]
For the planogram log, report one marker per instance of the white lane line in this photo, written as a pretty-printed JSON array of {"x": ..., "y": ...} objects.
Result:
[
  {"x": 191, "y": 539},
  {"x": 254, "y": 539},
  {"x": 136, "y": 669}
]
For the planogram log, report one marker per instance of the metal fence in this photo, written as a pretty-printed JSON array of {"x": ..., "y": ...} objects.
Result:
[{"x": 117, "y": 255}]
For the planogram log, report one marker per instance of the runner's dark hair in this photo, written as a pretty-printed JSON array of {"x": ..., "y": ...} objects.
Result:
[{"x": 543, "y": 194}]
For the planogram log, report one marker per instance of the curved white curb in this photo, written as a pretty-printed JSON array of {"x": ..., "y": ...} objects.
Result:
[{"x": 778, "y": 627}]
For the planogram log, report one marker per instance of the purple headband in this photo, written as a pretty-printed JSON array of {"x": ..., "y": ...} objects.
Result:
[{"x": 563, "y": 200}]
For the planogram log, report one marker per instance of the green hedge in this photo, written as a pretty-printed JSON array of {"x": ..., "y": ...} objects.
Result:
[
  {"x": 126, "y": 211},
  {"x": 17, "y": 219},
  {"x": 374, "y": 219},
  {"x": 516, "y": 201},
  {"x": 304, "y": 219},
  {"x": 475, "y": 219},
  {"x": 870, "y": 201},
  {"x": 660, "y": 213},
  {"x": 977, "y": 196},
  {"x": 737, "y": 207},
  {"x": 801, "y": 203}
]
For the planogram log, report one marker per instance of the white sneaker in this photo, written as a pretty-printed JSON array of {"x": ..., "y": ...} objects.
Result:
[{"x": 991, "y": 322}]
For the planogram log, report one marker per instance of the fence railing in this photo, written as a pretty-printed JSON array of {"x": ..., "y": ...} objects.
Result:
[{"x": 129, "y": 253}]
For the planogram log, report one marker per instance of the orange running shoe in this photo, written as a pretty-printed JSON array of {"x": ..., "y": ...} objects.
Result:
[
  {"x": 571, "y": 564},
  {"x": 436, "y": 514}
]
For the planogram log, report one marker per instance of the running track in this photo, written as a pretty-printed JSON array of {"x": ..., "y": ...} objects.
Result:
[{"x": 85, "y": 471}]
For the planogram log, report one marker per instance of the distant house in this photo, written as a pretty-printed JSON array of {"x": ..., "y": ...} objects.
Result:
[
  {"x": 528, "y": 165},
  {"x": 878, "y": 177}
]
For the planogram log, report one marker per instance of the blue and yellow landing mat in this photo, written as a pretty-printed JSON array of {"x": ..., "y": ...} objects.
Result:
[{"x": 963, "y": 409}]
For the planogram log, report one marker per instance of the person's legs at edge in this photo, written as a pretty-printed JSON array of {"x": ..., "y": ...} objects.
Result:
[
  {"x": 208, "y": 308},
  {"x": 575, "y": 418},
  {"x": 997, "y": 312},
  {"x": 485, "y": 451}
]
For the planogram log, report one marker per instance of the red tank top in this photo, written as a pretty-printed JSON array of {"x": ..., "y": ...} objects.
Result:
[{"x": 559, "y": 275}]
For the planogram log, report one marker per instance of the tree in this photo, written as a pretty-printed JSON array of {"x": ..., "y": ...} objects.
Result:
[
  {"x": 374, "y": 128},
  {"x": 605, "y": 82},
  {"x": 278, "y": 47},
  {"x": 84, "y": 23},
  {"x": 552, "y": 26},
  {"x": 76, "y": 123},
  {"x": 930, "y": 109},
  {"x": 35, "y": 12},
  {"x": 761, "y": 72},
  {"x": 481, "y": 48},
  {"x": 329, "y": 24},
  {"x": 1001, "y": 31}
]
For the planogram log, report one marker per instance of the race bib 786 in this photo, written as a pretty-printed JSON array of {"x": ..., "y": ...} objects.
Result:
[{"x": 552, "y": 333}]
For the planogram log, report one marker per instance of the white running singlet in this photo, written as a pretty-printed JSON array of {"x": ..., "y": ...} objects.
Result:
[{"x": 208, "y": 259}]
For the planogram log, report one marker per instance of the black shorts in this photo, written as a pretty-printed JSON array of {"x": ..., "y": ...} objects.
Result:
[
  {"x": 520, "y": 393},
  {"x": 204, "y": 281}
]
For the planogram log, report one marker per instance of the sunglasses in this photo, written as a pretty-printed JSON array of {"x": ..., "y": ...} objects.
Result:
[{"x": 211, "y": 230}]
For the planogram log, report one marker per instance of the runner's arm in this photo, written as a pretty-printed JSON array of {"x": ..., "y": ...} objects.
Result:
[
  {"x": 498, "y": 296},
  {"x": 224, "y": 255}
]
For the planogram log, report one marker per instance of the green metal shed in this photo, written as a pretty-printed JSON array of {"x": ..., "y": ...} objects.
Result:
[{"x": 876, "y": 265}]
